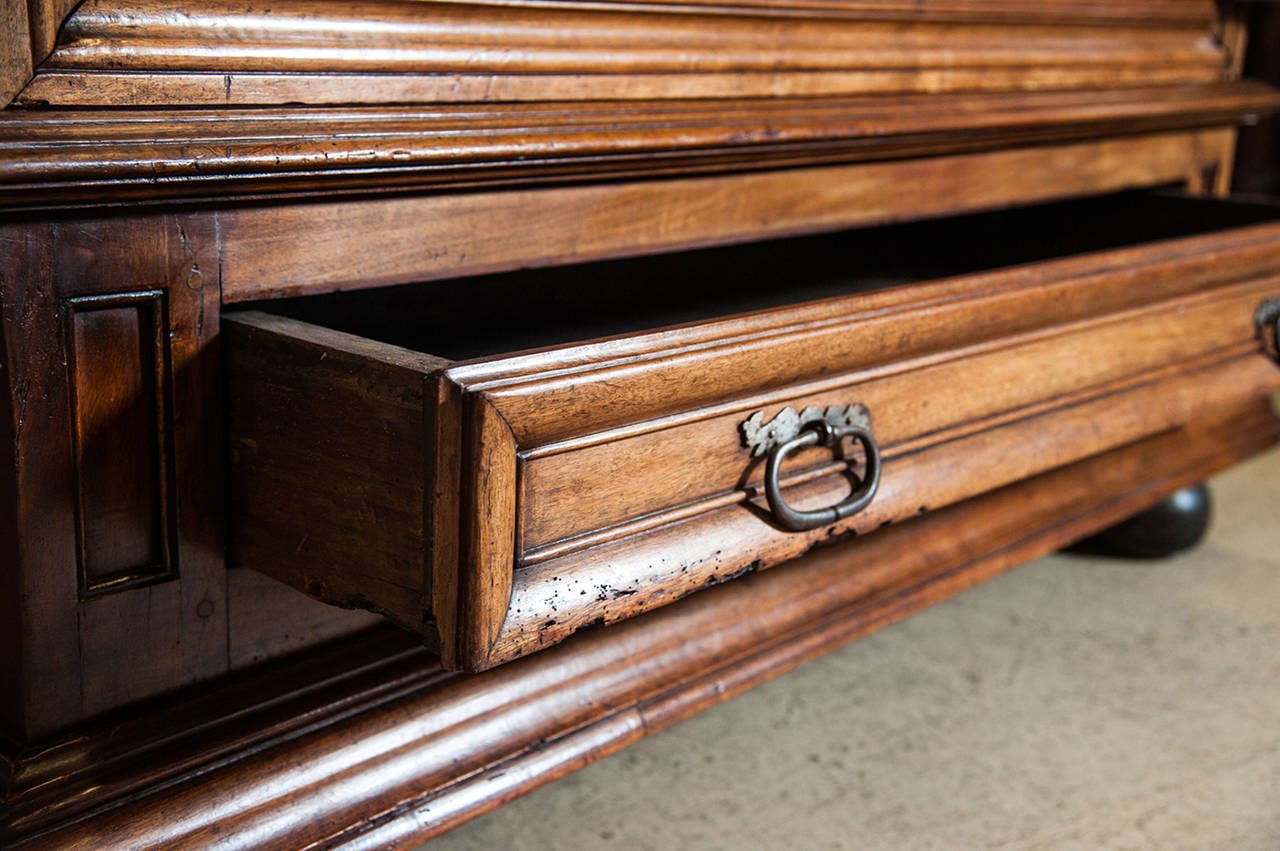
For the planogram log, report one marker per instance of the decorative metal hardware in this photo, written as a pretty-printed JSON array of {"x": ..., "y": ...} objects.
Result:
[
  {"x": 1268, "y": 320},
  {"x": 788, "y": 433},
  {"x": 760, "y": 437}
]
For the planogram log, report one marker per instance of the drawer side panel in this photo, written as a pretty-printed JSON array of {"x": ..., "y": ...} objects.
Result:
[{"x": 327, "y": 460}]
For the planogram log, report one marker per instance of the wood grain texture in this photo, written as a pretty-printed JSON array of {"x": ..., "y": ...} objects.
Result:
[
  {"x": 158, "y": 52},
  {"x": 573, "y": 494},
  {"x": 615, "y": 580},
  {"x": 47, "y": 158},
  {"x": 308, "y": 248},
  {"x": 15, "y": 50},
  {"x": 28, "y": 32},
  {"x": 109, "y": 763},
  {"x": 13, "y": 703},
  {"x": 327, "y": 435},
  {"x": 84, "y": 657},
  {"x": 390, "y": 774},
  {"x": 118, "y": 377},
  {"x": 487, "y": 537},
  {"x": 608, "y": 477},
  {"x": 557, "y": 397}
]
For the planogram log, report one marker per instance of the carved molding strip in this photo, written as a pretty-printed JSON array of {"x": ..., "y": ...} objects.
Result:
[{"x": 224, "y": 52}]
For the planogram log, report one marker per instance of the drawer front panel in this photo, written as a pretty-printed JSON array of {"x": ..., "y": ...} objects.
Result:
[
  {"x": 617, "y": 580},
  {"x": 591, "y": 487}
]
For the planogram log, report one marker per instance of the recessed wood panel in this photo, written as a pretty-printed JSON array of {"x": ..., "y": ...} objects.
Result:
[{"x": 116, "y": 377}]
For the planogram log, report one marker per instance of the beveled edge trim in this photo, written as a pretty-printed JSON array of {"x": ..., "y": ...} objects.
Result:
[
  {"x": 144, "y": 749},
  {"x": 891, "y": 448},
  {"x": 441, "y": 754}
]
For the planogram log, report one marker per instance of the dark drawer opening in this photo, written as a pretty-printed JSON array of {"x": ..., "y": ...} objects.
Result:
[{"x": 483, "y": 316}]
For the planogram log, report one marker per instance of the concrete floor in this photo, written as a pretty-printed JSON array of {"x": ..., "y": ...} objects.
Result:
[{"x": 1074, "y": 703}]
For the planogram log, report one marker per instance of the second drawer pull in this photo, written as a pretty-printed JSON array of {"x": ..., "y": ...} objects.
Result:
[{"x": 821, "y": 433}]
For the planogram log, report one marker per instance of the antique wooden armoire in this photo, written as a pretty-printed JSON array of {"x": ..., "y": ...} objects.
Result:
[{"x": 406, "y": 402}]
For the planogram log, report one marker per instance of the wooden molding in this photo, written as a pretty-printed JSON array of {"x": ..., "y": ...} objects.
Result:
[
  {"x": 161, "y": 52},
  {"x": 47, "y": 158},
  {"x": 391, "y": 753}
]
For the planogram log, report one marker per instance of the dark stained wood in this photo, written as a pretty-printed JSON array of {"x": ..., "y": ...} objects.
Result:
[
  {"x": 126, "y": 520},
  {"x": 13, "y": 703},
  {"x": 136, "y": 752},
  {"x": 309, "y": 248},
  {"x": 600, "y": 480},
  {"x": 80, "y": 656},
  {"x": 45, "y": 158},
  {"x": 268, "y": 620},
  {"x": 175, "y": 157},
  {"x": 1258, "y": 165},
  {"x": 438, "y": 754}
]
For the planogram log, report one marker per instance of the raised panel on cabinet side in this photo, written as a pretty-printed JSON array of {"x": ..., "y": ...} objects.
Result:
[{"x": 80, "y": 655}]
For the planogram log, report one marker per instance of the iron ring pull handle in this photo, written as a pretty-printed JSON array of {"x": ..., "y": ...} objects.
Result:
[{"x": 821, "y": 433}]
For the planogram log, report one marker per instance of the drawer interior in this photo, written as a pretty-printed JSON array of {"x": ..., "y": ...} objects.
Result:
[{"x": 486, "y": 316}]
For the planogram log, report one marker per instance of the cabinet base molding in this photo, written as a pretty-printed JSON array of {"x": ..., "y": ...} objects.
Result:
[{"x": 369, "y": 744}]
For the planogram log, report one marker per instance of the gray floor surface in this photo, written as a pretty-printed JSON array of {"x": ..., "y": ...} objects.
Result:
[{"x": 1073, "y": 703}]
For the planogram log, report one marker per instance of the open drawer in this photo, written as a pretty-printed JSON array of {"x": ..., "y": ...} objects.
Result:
[{"x": 497, "y": 501}]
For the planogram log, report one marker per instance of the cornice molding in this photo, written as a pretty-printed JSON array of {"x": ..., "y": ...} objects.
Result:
[
  {"x": 229, "y": 52},
  {"x": 104, "y": 156}
]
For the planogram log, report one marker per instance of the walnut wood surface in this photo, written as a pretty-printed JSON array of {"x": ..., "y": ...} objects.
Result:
[
  {"x": 352, "y": 451},
  {"x": 308, "y": 248},
  {"x": 373, "y": 772},
  {"x": 28, "y": 32},
  {"x": 233, "y": 152},
  {"x": 973, "y": 383},
  {"x": 152, "y": 474},
  {"x": 613, "y": 581},
  {"x": 158, "y": 52},
  {"x": 573, "y": 493},
  {"x": 82, "y": 655},
  {"x": 47, "y": 158}
]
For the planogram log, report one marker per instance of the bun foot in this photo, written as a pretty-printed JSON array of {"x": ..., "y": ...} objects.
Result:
[{"x": 1178, "y": 523}]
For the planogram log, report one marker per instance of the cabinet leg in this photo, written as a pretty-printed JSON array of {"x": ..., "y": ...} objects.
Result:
[{"x": 1178, "y": 523}]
